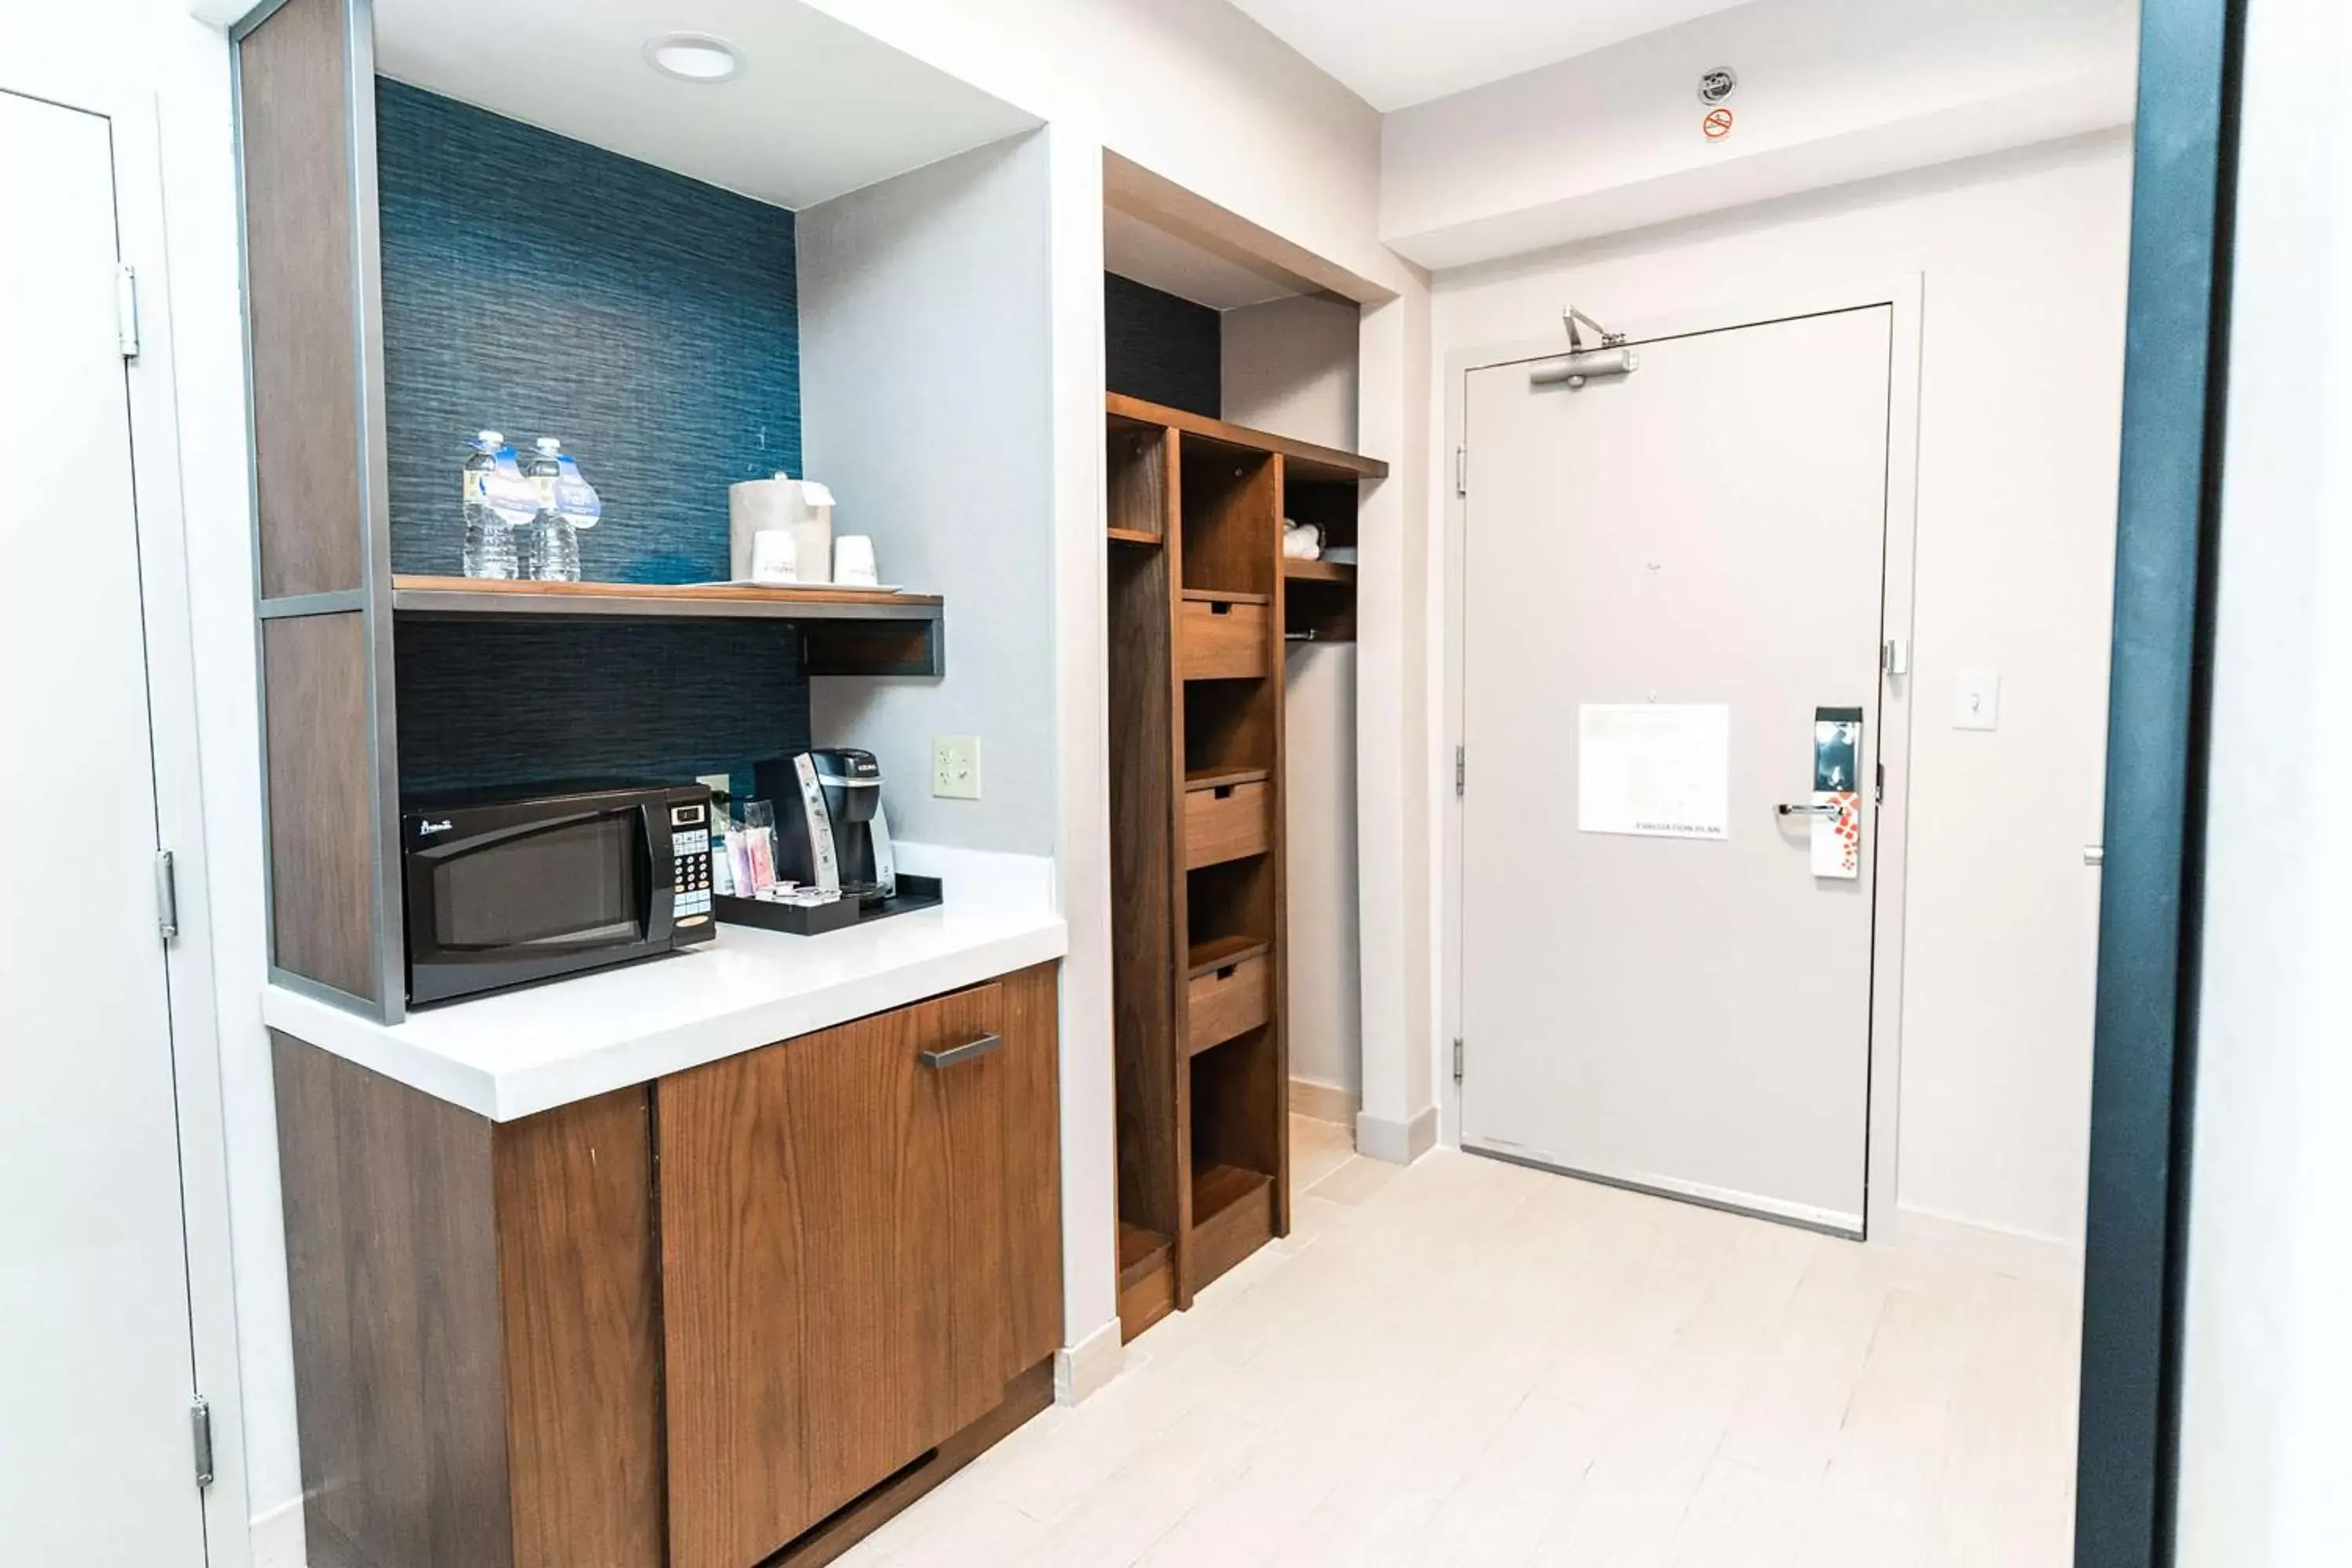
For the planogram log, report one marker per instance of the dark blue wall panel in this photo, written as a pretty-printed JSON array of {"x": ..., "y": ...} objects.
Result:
[
  {"x": 1162, "y": 349},
  {"x": 494, "y": 704},
  {"x": 538, "y": 285}
]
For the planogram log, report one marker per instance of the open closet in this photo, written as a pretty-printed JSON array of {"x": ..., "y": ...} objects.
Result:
[{"x": 1230, "y": 694}]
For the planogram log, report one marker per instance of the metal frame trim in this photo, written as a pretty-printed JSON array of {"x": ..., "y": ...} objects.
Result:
[
  {"x": 293, "y": 606},
  {"x": 1797, "y": 1218},
  {"x": 318, "y": 991},
  {"x": 2169, "y": 518},
  {"x": 245, "y": 25},
  {"x": 374, "y": 496}
]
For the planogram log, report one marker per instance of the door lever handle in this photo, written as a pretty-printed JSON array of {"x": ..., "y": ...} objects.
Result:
[
  {"x": 1786, "y": 809},
  {"x": 947, "y": 1056}
]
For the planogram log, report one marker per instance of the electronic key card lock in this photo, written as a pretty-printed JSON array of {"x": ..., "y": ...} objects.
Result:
[{"x": 1834, "y": 809}]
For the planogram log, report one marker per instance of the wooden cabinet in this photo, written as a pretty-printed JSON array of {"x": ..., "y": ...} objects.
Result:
[
  {"x": 751, "y": 1309},
  {"x": 1200, "y": 601},
  {"x": 856, "y": 1259},
  {"x": 476, "y": 1337}
]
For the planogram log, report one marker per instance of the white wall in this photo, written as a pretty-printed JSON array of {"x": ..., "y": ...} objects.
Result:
[
  {"x": 2023, "y": 258},
  {"x": 1200, "y": 95},
  {"x": 1325, "y": 954},
  {"x": 1192, "y": 90},
  {"x": 1290, "y": 367},
  {"x": 1829, "y": 91},
  {"x": 2265, "y": 1424},
  {"x": 926, "y": 395}
]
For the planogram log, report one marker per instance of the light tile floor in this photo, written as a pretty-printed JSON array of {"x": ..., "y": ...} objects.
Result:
[{"x": 1465, "y": 1362}]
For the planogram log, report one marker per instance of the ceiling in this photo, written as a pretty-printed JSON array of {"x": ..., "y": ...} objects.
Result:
[
  {"x": 1136, "y": 249},
  {"x": 1395, "y": 53},
  {"x": 819, "y": 109}
]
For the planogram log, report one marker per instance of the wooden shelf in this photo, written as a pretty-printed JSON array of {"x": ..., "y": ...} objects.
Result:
[
  {"x": 1216, "y": 1188},
  {"x": 469, "y": 597},
  {"x": 1140, "y": 1251},
  {"x": 846, "y": 631},
  {"x": 1304, "y": 459},
  {"x": 1196, "y": 702},
  {"x": 1338, "y": 571},
  {"x": 1232, "y": 1217},
  {"x": 1218, "y": 778},
  {"x": 1217, "y": 953}
]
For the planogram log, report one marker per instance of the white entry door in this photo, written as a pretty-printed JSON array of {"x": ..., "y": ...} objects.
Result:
[
  {"x": 95, "y": 1357},
  {"x": 1702, "y": 541}
]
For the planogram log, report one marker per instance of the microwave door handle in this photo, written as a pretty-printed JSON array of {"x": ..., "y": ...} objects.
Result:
[{"x": 661, "y": 868}]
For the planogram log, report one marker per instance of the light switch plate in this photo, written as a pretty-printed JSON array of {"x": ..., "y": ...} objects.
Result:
[
  {"x": 955, "y": 767},
  {"x": 1976, "y": 704}
]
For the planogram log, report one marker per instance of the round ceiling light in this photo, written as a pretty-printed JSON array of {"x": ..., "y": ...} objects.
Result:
[{"x": 694, "y": 57}]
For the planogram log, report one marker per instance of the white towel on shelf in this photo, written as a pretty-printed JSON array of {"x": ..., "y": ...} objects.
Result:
[{"x": 1301, "y": 541}]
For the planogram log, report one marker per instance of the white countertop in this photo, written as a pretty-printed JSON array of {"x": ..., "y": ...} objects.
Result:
[{"x": 525, "y": 1051}]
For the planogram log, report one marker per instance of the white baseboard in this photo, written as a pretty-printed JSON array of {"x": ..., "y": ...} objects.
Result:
[
  {"x": 1398, "y": 1142},
  {"x": 1082, "y": 1370},
  {"x": 2012, "y": 1252},
  {"x": 278, "y": 1539},
  {"x": 1324, "y": 1101}
]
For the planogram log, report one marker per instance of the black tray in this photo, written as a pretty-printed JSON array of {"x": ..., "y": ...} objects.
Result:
[{"x": 801, "y": 920}]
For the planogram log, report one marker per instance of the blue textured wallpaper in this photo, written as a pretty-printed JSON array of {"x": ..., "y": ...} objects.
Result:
[
  {"x": 537, "y": 286},
  {"x": 1161, "y": 348},
  {"x": 488, "y": 704}
]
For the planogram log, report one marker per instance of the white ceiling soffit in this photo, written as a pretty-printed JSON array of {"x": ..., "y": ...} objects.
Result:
[
  {"x": 818, "y": 110},
  {"x": 1830, "y": 92},
  {"x": 1153, "y": 256},
  {"x": 1395, "y": 53}
]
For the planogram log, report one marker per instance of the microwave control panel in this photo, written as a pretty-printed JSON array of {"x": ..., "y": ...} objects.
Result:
[{"x": 690, "y": 848}]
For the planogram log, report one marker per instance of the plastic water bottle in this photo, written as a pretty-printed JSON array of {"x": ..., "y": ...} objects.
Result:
[
  {"x": 490, "y": 542},
  {"x": 553, "y": 546}
]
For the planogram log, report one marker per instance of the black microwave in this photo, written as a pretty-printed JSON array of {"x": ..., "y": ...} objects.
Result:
[{"x": 523, "y": 886}]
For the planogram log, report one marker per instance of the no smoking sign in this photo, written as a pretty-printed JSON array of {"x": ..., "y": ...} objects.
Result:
[{"x": 1718, "y": 123}]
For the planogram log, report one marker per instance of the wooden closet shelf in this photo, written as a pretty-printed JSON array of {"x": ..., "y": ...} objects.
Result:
[
  {"x": 1216, "y": 1188},
  {"x": 1232, "y": 1217},
  {"x": 1134, "y": 536},
  {"x": 1226, "y": 596},
  {"x": 1305, "y": 459},
  {"x": 1219, "y": 952},
  {"x": 1337, "y": 572},
  {"x": 1218, "y": 778},
  {"x": 1140, "y": 1251},
  {"x": 1147, "y": 1278}
]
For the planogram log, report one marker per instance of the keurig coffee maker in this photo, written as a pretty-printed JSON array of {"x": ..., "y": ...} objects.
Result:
[{"x": 830, "y": 831}]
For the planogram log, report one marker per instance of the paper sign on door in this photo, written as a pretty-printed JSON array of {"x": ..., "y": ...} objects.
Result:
[
  {"x": 1837, "y": 781},
  {"x": 1656, "y": 769}
]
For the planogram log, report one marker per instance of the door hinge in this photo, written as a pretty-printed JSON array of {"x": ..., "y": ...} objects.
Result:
[
  {"x": 1461, "y": 770},
  {"x": 1462, "y": 470},
  {"x": 1895, "y": 656},
  {"x": 126, "y": 307},
  {"x": 167, "y": 896},
  {"x": 200, "y": 1421},
  {"x": 1878, "y": 794},
  {"x": 1457, "y": 1059}
]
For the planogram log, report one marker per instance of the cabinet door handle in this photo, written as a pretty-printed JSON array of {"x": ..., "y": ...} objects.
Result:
[{"x": 947, "y": 1056}]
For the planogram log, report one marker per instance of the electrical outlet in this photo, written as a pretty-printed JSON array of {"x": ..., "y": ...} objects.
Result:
[
  {"x": 1976, "y": 703},
  {"x": 955, "y": 767}
]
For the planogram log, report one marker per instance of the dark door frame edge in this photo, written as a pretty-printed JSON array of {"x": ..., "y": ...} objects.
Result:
[{"x": 2150, "y": 907}]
